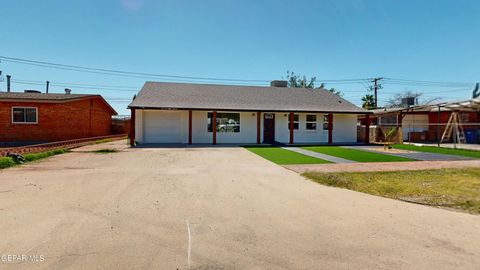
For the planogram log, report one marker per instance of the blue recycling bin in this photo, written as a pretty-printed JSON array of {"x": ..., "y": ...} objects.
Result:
[{"x": 470, "y": 136}]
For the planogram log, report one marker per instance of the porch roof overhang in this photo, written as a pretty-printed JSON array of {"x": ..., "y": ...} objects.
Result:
[{"x": 471, "y": 105}]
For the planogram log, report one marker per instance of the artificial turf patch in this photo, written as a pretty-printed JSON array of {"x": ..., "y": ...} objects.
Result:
[
  {"x": 354, "y": 154},
  {"x": 283, "y": 157}
]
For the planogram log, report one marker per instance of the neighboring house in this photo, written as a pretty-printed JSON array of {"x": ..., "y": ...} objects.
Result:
[
  {"x": 184, "y": 113},
  {"x": 34, "y": 117},
  {"x": 427, "y": 123}
]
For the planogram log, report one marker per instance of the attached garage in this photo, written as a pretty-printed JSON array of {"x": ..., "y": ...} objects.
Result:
[{"x": 162, "y": 127}]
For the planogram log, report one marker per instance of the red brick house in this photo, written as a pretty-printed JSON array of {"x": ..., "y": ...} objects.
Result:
[{"x": 41, "y": 117}]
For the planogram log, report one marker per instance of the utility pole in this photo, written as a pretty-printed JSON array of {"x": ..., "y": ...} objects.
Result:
[{"x": 376, "y": 87}]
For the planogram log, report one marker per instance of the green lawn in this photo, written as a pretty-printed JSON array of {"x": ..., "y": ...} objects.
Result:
[
  {"x": 354, "y": 154},
  {"x": 453, "y": 188},
  {"x": 439, "y": 150},
  {"x": 283, "y": 157}
]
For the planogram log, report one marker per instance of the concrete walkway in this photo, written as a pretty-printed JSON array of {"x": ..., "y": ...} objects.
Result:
[
  {"x": 424, "y": 156},
  {"x": 319, "y": 155}
]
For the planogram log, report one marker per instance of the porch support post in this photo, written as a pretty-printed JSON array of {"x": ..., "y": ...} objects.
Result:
[
  {"x": 214, "y": 127},
  {"x": 290, "y": 116},
  {"x": 399, "y": 119},
  {"x": 367, "y": 129},
  {"x": 190, "y": 127},
  {"x": 438, "y": 126},
  {"x": 132, "y": 127},
  {"x": 330, "y": 128},
  {"x": 258, "y": 127}
]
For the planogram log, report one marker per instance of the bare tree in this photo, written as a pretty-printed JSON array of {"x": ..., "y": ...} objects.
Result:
[{"x": 396, "y": 100}]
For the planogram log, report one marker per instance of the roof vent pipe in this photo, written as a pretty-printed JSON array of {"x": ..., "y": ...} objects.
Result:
[
  {"x": 68, "y": 91},
  {"x": 8, "y": 82},
  {"x": 277, "y": 83}
]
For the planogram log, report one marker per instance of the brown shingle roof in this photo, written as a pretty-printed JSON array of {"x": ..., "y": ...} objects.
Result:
[{"x": 161, "y": 95}]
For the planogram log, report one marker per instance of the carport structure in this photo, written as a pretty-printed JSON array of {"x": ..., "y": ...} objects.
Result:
[
  {"x": 209, "y": 114},
  {"x": 427, "y": 123}
]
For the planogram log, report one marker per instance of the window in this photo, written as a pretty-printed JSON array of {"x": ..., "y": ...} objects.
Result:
[
  {"x": 311, "y": 123},
  {"x": 22, "y": 115},
  {"x": 389, "y": 120},
  {"x": 325, "y": 122},
  {"x": 295, "y": 121},
  {"x": 226, "y": 122}
]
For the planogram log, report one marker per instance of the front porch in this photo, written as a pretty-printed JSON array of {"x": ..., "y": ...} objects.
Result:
[{"x": 241, "y": 127}]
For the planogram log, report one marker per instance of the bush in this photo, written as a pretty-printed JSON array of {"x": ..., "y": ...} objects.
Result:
[{"x": 6, "y": 162}]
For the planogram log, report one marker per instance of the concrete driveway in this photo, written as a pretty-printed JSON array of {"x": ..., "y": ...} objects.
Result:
[{"x": 213, "y": 208}]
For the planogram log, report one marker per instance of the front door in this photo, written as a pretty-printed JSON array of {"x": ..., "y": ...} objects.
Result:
[{"x": 268, "y": 128}]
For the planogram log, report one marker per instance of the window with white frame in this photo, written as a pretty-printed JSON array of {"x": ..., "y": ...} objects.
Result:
[
  {"x": 295, "y": 121},
  {"x": 311, "y": 122},
  {"x": 24, "y": 115}
]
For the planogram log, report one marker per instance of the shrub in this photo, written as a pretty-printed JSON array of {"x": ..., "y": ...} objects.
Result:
[{"x": 6, "y": 162}]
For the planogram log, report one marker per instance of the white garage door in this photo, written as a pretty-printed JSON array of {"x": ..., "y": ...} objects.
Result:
[{"x": 162, "y": 127}]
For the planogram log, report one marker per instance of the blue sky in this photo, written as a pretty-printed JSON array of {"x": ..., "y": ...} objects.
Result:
[{"x": 259, "y": 40}]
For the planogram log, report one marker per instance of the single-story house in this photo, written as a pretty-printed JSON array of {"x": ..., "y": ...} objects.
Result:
[
  {"x": 34, "y": 117},
  {"x": 183, "y": 113}
]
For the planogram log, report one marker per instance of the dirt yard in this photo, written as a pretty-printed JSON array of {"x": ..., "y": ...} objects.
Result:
[
  {"x": 383, "y": 166},
  {"x": 213, "y": 208}
]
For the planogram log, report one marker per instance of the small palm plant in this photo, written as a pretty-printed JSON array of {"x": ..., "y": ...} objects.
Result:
[{"x": 389, "y": 135}]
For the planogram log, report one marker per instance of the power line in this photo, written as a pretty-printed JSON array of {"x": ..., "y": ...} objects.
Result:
[
  {"x": 108, "y": 88},
  {"x": 133, "y": 74},
  {"x": 169, "y": 76},
  {"x": 426, "y": 83},
  {"x": 81, "y": 84},
  {"x": 76, "y": 86},
  {"x": 103, "y": 70}
]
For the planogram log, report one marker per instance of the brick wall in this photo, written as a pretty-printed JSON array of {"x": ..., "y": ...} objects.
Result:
[{"x": 57, "y": 121}]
